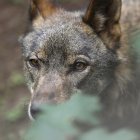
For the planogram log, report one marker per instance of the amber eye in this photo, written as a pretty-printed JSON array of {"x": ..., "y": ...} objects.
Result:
[
  {"x": 79, "y": 66},
  {"x": 34, "y": 63}
]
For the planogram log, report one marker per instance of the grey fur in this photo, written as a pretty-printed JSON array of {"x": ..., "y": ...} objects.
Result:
[{"x": 62, "y": 39}]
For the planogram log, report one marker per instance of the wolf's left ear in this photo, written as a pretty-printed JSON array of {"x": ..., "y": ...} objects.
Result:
[
  {"x": 104, "y": 16},
  {"x": 41, "y": 9}
]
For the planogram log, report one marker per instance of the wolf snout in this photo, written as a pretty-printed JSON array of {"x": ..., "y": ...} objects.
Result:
[
  {"x": 39, "y": 100},
  {"x": 33, "y": 111}
]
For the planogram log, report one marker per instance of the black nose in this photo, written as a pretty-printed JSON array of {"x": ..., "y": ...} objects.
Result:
[{"x": 35, "y": 111}]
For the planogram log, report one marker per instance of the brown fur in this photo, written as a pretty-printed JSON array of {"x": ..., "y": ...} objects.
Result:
[{"x": 45, "y": 8}]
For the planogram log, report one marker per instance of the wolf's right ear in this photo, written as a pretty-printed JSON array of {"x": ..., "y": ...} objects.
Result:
[{"x": 40, "y": 9}]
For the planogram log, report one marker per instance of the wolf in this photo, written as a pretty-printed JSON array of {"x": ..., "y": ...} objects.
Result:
[{"x": 89, "y": 51}]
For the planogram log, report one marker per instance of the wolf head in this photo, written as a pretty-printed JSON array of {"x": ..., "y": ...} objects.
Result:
[{"x": 65, "y": 52}]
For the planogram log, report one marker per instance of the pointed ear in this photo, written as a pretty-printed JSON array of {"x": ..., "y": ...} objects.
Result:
[
  {"x": 41, "y": 9},
  {"x": 104, "y": 16}
]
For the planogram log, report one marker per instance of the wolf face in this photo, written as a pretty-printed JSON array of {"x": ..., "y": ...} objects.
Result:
[{"x": 65, "y": 52}]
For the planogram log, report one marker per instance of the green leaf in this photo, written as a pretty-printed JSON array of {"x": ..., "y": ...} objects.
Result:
[
  {"x": 16, "y": 79},
  {"x": 102, "y": 134},
  {"x": 57, "y": 121},
  {"x": 15, "y": 113}
]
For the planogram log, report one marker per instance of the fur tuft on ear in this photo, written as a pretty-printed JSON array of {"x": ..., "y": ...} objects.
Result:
[
  {"x": 41, "y": 9},
  {"x": 104, "y": 16}
]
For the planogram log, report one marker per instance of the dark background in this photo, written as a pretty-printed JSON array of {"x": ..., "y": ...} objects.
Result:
[{"x": 14, "y": 95}]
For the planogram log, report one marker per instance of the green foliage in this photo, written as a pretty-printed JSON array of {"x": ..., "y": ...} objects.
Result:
[
  {"x": 102, "y": 134},
  {"x": 15, "y": 113},
  {"x": 16, "y": 2},
  {"x": 57, "y": 122},
  {"x": 135, "y": 40},
  {"x": 65, "y": 1},
  {"x": 16, "y": 79}
]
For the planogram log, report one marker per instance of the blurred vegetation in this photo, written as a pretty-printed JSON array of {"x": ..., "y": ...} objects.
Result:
[
  {"x": 64, "y": 1},
  {"x": 60, "y": 122},
  {"x": 135, "y": 40},
  {"x": 16, "y": 2},
  {"x": 17, "y": 112},
  {"x": 16, "y": 79}
]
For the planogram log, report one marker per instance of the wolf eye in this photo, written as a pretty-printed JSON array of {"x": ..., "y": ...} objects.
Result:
[
  {"x": 79, "y": 66},
  {"x": 34, "y": 63}
]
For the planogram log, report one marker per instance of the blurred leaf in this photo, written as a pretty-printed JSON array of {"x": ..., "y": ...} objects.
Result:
[
  {"x": 65, "y": 1},
  {"x": 16, "y": 113},
  {"x": 101, "y": 134},
  {"x": 72, "y": 109},
  {"x": 135, "y": 40},
  {"x": 16, "y": 79},
  {"x": 16, "y": 1},
  {"x": 57, "y": 121}
]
